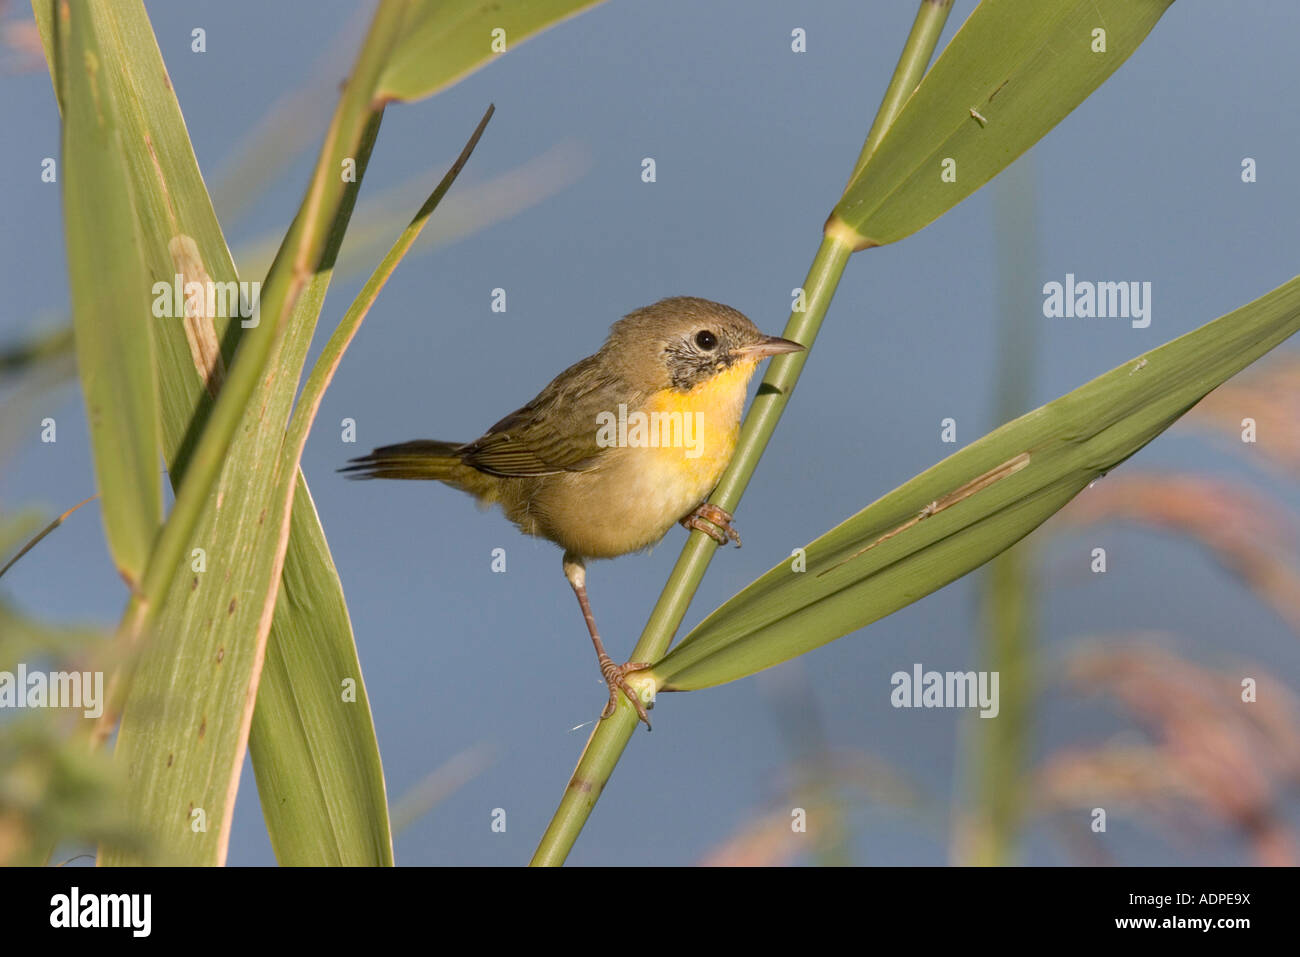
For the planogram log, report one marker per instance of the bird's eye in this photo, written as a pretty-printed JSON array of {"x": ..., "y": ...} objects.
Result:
[{"x": 705, "y": 340}]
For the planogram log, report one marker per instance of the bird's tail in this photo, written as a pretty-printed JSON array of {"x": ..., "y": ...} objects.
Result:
[{"x": 421, "y": 459}]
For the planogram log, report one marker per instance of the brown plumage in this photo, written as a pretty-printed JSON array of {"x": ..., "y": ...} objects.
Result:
[{"x": 557, "y": 476}]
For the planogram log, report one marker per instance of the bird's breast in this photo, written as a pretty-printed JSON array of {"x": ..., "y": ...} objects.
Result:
[
  {"x": 664, "y": 459},
  {"x": 701, "y": 427}
]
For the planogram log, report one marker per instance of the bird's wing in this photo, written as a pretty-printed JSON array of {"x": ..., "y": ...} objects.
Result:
[{"x": 555, "y": 432}]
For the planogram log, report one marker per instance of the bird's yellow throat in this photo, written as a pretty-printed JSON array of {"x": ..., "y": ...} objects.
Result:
[{"x": 718, "y": 402}]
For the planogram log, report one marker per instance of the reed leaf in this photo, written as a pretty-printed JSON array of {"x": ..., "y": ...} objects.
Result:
[{"x": 971, "y": 506}]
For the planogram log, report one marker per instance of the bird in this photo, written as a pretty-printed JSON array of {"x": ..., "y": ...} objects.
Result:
[{"x": 617, "y": 449}]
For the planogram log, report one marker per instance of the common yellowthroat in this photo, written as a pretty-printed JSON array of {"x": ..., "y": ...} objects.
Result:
[{"x": 619, "y": 447}]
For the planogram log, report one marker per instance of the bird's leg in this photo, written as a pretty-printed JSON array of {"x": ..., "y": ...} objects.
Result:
[
  {"x": 576, "y": 572},
  {"x": 714, "y": 522}
]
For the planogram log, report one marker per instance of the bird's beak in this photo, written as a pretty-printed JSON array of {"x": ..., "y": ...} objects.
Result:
[{"x": 769, "y": 346}]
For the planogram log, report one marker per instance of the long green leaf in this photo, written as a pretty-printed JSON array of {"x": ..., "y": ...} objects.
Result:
[
  {"x": 315, "y": 757},
  {"x": 175, "y": 767},
  {"x": 110, "y": 299},
  {"x": 443, "y": 42},
  {"x": 972, "y": 505},
  {"x": 1012, "y": 72},
  {"x": 308, "y": 678}
]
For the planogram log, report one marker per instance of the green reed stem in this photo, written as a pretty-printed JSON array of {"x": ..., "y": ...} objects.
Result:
[{"x": 611, "y": 735}]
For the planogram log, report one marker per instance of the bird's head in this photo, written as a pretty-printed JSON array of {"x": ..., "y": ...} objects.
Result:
[{"x": 683, "y": 342}]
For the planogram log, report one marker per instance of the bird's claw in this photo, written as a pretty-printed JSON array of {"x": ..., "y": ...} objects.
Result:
[
  {"x": 615, "y": 677},
  {"x": 714, "y": 522}
]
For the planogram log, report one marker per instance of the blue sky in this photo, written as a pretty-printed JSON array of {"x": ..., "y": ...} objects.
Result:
[{"x": 753, "y": 144}]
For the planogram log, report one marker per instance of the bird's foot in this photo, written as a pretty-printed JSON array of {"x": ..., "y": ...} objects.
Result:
[
  {"x": 714, "y": 522},
  {"x": 615, "y": 678}
]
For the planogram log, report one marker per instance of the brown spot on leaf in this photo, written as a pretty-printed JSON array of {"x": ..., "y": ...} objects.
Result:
[
  {"x": 200, "y": 309},
  {"x": 221, "y": 653},
  {"x": 231, "y": 609},
  {"x": 170, "y": 757},
  {"x": 203, "y": 727}
]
